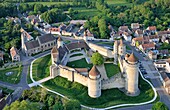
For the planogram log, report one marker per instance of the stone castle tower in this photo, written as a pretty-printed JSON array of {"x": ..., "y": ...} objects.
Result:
[
  {"x": 122, "y": 48},
  {"x": 94, "y": 83},
  {"x": 132, "y": 74},
  {"x": 115, "y": 51},
  {"x": 54, "y": 55},
  {"x": 59, "y": 42}
]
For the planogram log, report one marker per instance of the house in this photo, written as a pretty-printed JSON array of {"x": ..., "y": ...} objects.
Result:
[
  {"x": 42, "y": 43},
  {"x": 152, "y": 55},
  {"x": 148, "y": 46},
  {"x": 164, "y": 35},
  {"x": 68, "y": 30},
  {"x": 135, "y": 26},
  {"x": 1, "y": 56},
  {"x": 137, "y": 41},
  {"x": 14, "y": 54},
  {"x": 75, "y": 22},
  {"x": 166, "y": 81},
  {"x": 53, "y": 31},
  {"x": 127, "y": 36},
  {"x": 138, "y": 33},
  {"x": 153, "y": 38},
  {"x": 152, "y": 29},
  {"x": 140, "y": 40},
  {"x": 88, "y": 35},
  {"x": 126, "y": 33}
]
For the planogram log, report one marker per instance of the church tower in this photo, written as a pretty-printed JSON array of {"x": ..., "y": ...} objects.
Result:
[
  {"x": 115, "y": 51},
  {"x": 122, "y": 48},
  {"x": 54, "y": 55},
  {"x": 59, "y": 42},
  {"x": 132, "y": 75},
  {"x": 94, "y": 83}
]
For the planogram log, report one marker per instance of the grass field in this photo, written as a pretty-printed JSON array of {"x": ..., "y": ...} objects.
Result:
[
  {"x": 84, "y": 12},
  {"x": 79, "y": 64},
  {"x": 110, "y": 97},
  {"x": 118, "y": 3},
  {"x": 111, "y": 69},
  {"x": 13, "y": 78},
  {"x": 41, "y": 68},
  {"x": 28, "y": 76},
  {"x": 48, "y": 3}
]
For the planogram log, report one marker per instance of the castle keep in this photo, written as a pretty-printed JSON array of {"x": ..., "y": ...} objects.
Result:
[{"x": 94, "y": 78}]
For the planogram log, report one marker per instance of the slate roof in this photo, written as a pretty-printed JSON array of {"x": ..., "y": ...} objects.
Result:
[
  {"x": 32, "y": 44},
  {"x": 62, "y": 51},
  {"x": 79, "y": 44},
  {"x": 46, "y": 38}
]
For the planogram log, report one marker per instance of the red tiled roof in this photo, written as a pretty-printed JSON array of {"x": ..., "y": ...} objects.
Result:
[{"x": 152, "y": 28}]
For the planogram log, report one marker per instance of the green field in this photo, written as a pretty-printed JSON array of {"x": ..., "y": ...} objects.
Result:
[
  {"x": 118, "y": 3},
  {"x": 109, "y": 97},
  {"x": 49, "y": 3},
  {"x": 111, "y": 69},
  {"x": 13, "y": 78},
  {"x": 84, "y": 12},
  {"x": 28, "y": 76},
  {"x": 79, "y": 64},
  {"x": 41, "y": 68}
]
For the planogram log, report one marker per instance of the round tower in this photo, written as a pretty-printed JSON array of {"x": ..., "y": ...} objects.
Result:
[
  {"x": 59, "y": 42},
  {"x": 94, "y": 83},
  {"x": 132, "y": 76},
  {"x": 122, "y": 48},
  {"x": 115, "y": 51},
  {"x": 54, "y": 55}
]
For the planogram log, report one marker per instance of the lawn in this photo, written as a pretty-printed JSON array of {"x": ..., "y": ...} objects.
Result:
[
  {"x": 13, "y": 78},
  {"x": 49, "y": 3},
  {"x": 118, "y": 3},
  {"x": 28, "y": 76},
  {"x": 41, "y": 68},
  {"x": 79, "y": 64},
  {"x": 109, "y": 97},
  {"x": 6, "y": 90},
  {"x": 67, "y": 41},
  {"x": 74, "y": 55},
  {"x": 85, "y": 12},
  {"x": 111, "y": 69}
]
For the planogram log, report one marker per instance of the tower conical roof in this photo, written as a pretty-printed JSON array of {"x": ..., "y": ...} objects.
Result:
[
  {"x": 132, "y": 58},
  {"x": 94, "y": 71},
  {"x": 59, "y": 38},
  {"x": 54, "y": 50}
]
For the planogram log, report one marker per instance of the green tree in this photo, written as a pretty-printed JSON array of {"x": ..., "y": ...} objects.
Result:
[
  {"x": 159, "y": 106},
  {"x": 97, "y": 59},
  {"x": 72, "y": 105}
]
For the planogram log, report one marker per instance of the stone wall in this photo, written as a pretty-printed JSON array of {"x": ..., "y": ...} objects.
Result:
[
  {"x": 101, "y": 50},
  {"x": 68, "y": 73}
]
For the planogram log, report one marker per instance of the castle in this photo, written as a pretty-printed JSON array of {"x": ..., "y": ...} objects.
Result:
[{"x": 94, "y": 79}]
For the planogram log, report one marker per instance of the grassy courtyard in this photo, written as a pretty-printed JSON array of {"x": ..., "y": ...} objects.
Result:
[
  {"x": 110, "y": 97},
  {"x": 14, "y": 77},
  {"x": 6, "y": 90},
  {"x": 79, "y": 64},
  {"x": 41, "y": 68},
  {"x": 111, "y": 69}
]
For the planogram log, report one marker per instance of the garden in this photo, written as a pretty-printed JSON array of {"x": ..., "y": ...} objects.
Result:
[{"x": 11, "y": 75}]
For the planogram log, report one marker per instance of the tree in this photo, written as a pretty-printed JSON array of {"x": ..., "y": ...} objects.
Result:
[
  {"x": 97, "y": 59},
  {"x": 159, "y": 106},
  {"x": 72, "y": 105}
]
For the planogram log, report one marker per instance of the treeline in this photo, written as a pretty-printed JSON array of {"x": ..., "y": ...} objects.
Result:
[
  {"x": 8, "y": 9},
  {"x": 36, "y": 99}
]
